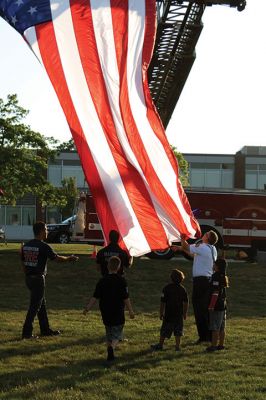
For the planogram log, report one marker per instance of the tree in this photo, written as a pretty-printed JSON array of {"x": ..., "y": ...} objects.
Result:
[
  {"x": 183, "y": 167},
  {"x": 70, "y": 192},
  {"x": 66, "y": 146},
  {"x": 24, "y": 154}
]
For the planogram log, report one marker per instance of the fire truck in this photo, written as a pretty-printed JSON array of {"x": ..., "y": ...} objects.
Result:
[{"x": 237, "y": 216}]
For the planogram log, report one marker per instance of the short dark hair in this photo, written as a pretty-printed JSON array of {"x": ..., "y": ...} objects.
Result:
[
  {"x": 114, "y": 264},
  {"x": 38, "y": 227},
  {"x": 114, "y": 236},
  {"x": 177, "y": 276}
]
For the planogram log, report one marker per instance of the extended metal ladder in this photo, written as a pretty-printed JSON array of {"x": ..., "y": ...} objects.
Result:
[{"x": 179, "y": 28}]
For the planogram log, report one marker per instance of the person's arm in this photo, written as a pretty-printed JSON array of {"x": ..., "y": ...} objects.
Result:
[
  {"x": 185, "y": 309},
  {"x": 89, "y": 305},
  {"x": 162, "y": 309},
  {"x": 61, "y": 259},
  {"x": 213, "y": 301},
  {"x": 129, "y": 308},
  {"x": 184, "y": 244}
]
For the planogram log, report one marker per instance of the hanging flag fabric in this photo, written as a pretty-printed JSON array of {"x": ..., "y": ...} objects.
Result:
[{"x": 96, "y": 53}]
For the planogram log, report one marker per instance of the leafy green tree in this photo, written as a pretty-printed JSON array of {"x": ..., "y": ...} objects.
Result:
[
  {"x": 183, "y": 167},
  {"x": 23, "y": 157},
  {"x": 70, "y": 192},
  {"x": 66, "y": 146}
]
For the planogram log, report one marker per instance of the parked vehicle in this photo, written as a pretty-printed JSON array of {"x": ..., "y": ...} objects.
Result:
[
  {"x": 60, "y": 233},
  {"x": 237, "y": 216}
]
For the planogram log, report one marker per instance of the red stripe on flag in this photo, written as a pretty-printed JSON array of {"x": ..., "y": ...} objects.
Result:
[
  {"x": 152, "y": 113},
  {"x": 132, "y": 181},
  {"x": 47, "y": 45}
]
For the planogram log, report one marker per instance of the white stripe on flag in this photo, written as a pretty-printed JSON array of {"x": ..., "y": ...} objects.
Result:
[{"x": 84, "y": 107}]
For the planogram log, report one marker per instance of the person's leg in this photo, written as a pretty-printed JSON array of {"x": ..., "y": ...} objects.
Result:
[
  {"x": 221, "y": 338},
  {"x": 177, "y": 342},
  {"x": 200, "y": 301},
  {"x": 36, "y": 286},
  {"x": 215, "y": 338},
  {"x": 42, "y": 315}
]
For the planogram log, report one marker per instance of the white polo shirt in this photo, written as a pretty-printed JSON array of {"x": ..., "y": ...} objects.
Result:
[{"x": 204, "y": 257}]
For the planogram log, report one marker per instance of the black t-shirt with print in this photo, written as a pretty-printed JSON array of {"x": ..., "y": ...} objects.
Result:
[
  {"x": 111, "y": 291},
  {"x": 34, "y": 255},
  {"x": 112, "y": 250},
  {"x": 173, "y": 295},
  {"x": 217, "y": 285}
]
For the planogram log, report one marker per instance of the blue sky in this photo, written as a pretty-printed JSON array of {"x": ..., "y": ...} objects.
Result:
[{"x": 221, "y": 109}]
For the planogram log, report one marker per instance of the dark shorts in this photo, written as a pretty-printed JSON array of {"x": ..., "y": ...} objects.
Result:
[
  {"x": 217, "y": 320},
  {"x": 169, "y": 328},
  {"x": 114, "y": 332}
]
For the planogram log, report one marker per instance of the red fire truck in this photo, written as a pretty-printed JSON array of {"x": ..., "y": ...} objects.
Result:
[{"x": 237, "y": 216}]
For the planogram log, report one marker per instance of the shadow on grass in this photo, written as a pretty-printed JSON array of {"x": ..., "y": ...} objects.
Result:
[{"x": 76, "y": 374}]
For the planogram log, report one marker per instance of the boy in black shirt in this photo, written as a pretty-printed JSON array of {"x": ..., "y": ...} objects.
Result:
[
  {"x": 217, "y": 306},
  {"x": 173, "y": 310},
  {"x": 112, "y": 293}
]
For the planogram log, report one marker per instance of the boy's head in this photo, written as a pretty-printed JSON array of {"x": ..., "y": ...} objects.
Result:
[
  {"x": 114, "y": 236},
  {"x": 220, "y": 265},
  {"x": 177, "y": 276},
  {"x": 113, "y": 264}
]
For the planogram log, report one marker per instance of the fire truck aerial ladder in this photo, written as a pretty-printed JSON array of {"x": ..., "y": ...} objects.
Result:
[{"x": 179, "y": 28}]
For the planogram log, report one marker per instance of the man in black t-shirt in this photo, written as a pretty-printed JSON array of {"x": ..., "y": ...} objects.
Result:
[
  {"x": 111, "y": 250},
  {"x": 34, "y": 256},
  {"x": 112, "y": 293},
  {"x": 173, "y": 310}
]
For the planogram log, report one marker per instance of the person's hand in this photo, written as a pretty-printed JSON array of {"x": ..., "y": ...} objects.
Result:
[
  {"x": 210, "y": 308},
  {"x": 131, "y": 315},
  {"x": 175, "y": 248}
]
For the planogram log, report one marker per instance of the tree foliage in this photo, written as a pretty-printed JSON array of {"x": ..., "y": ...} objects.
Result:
[
  {"x": 183, "y": 167},
  {"x": 66, "y": 146},
  {"x": 70, "y": 192},
  {"x": 24, "y": 154}
]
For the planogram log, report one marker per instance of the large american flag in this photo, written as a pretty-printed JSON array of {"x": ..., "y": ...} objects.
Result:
[{"x": 96, "y": 53}]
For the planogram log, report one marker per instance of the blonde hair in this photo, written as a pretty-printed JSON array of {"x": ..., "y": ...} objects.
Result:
[{"x": 113, "y": 264}]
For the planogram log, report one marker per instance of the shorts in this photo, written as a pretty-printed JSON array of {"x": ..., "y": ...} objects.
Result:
[
  {"x": 114, "y": 332},
  {"x": 217, "y": 320},
  {"x": 168, "y": 328}
]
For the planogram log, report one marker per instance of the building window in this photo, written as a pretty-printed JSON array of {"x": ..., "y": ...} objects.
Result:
[
  {"x": 212, "y": 175},
  {"x": 255, "y": 176},
  {"x": 28, "y": 215},
  {"x": 13, "y": 215}
]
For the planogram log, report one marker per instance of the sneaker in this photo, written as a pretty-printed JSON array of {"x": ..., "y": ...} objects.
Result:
[
  {"x": 156, "y": 347},
  {"x": 211, "y": 348},
  {"x": 110, "y": 353},
  {"x": 50, "y": 333},
  {"x": 177, "y": 348},
  {"x": 220, "y": 347}
]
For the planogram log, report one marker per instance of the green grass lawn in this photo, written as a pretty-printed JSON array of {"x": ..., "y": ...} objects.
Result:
[{"x": 73, "y": 366}]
